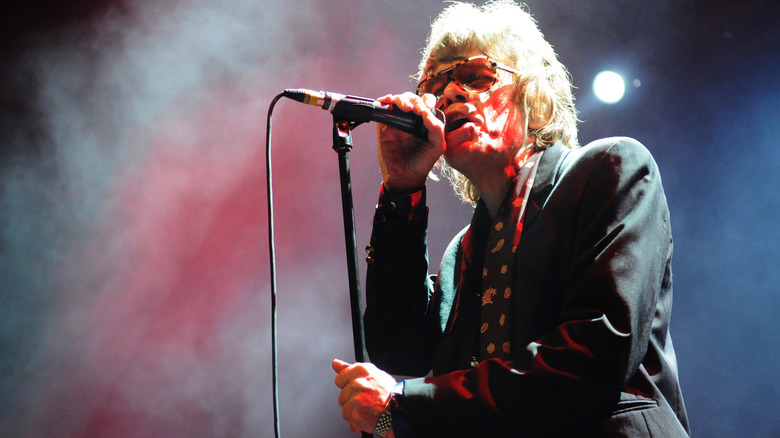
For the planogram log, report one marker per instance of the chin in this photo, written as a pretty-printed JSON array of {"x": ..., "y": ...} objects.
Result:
[{"x": 462, "y": 139}]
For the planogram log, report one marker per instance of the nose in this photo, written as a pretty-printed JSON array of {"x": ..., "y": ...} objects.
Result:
[{"x": 453, "y": 92}]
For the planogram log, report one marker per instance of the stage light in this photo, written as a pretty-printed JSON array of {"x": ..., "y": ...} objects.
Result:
[{"x": 609, "y": 87}]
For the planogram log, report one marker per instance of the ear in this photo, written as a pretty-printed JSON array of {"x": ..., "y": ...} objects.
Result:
[
  {"x": 541, "y": 106},
  {"x": 536, "y": 121}
]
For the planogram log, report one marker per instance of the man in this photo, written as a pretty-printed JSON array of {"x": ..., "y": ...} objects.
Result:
[{"x": 549, "y": 314}]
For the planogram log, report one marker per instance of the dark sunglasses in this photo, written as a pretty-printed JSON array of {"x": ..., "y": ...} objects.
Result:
[{"x": 476, "y": 74}]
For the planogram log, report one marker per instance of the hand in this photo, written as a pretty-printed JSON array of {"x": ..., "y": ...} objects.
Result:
[
  {"x": 365, "y": 390},
  {"x": 406, "y": 160}
]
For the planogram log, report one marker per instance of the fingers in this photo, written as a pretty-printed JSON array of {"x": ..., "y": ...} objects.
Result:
[
  {"x": 338, "y": 365},
  {"x": 420, "y": 105},
  {"x": 424, "y": 106},
  {"x": 350, "y": 372},
  {"x": 430, "y": 100},
  {"x": 360, "y": 419},
  {"x": 405, "y": 160},
  {"x": 360, "y": 409},
  {"x": 404, "y": 102},
  {"x": 362, "y": 381},
  {"x": 365, "y": 390}
]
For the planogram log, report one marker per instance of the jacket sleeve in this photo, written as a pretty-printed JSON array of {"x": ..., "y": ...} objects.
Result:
[
  {"x": 614, "y": 228},
  {"x": 399, "y": 338}
]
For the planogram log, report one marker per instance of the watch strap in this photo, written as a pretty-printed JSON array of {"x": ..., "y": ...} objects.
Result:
[{"x": 384, "y": 424}]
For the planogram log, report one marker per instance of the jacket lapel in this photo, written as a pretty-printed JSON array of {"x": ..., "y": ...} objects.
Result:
[{"x": 545, "y": 179}]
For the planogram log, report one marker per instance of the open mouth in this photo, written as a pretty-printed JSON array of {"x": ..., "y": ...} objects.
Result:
[{"x": 455, "y": 124}]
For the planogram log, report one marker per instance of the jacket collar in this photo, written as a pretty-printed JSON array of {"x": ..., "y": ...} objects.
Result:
[{"x": 546, "y": 174}]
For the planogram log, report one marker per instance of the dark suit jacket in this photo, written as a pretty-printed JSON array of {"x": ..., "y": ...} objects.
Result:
[{"x": 593, "y": 297}]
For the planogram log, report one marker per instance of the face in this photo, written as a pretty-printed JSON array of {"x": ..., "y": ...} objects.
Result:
[{"x": 484, "y": 130}]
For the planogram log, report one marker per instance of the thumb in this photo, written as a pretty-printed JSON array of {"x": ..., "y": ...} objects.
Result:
[{"x": 338, "y": 365}]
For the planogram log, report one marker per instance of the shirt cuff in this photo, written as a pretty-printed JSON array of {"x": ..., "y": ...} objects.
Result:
[
  {"x": 402, "y": 425},
  {"x": 400, "y": 207}
]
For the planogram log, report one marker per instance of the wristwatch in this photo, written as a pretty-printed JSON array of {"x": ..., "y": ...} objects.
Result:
[{"x": 384, "y": 424}]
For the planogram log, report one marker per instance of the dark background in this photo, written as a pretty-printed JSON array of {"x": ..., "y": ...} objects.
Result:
[{"x": 134, "y": 285}]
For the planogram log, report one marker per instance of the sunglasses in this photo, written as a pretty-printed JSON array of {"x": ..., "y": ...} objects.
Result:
[{"x": 475, "y": 74}]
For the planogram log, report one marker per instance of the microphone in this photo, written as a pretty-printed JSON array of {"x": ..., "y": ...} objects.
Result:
[{"x": 361, "y": 109}]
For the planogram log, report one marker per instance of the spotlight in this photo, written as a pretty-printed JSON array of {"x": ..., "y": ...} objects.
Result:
[{"x": 609, "y": 87}]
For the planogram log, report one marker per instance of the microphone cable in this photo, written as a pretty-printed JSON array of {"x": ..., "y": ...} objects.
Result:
[{"x": 272, "y": 265}]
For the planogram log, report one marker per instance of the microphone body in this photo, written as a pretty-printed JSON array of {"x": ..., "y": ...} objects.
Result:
[{"x": 360, "y": 109}]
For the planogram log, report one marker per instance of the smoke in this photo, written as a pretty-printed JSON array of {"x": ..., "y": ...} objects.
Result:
[
  {"x": 135, "y": 297},
  {"x": 134, "y": 292}
]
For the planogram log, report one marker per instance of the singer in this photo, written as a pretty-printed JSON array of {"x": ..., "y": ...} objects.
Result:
[{"x": 549, "y": 314}]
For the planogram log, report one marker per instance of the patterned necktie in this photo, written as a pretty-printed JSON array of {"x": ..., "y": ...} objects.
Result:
[{"x": 498, "y": 273}]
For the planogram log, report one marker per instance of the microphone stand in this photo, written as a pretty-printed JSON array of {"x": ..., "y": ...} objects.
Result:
[{"x": 342, "y": 144}]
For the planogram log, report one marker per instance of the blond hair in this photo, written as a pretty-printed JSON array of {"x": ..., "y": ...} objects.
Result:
[{"x": 506, "y": 32}]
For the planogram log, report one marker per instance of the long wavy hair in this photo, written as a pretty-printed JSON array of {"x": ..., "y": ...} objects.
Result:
[{"x": 506, "y": 32}]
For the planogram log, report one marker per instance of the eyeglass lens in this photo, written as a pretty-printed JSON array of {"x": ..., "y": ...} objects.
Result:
[{"x": 476, "y": 75}]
